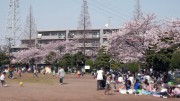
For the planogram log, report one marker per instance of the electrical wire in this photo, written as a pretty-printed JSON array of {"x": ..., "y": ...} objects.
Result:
[
  {"x": 107, "y": 11},
  {"x": 110, "y": 7},
  {"x": 98, "y": 8}
]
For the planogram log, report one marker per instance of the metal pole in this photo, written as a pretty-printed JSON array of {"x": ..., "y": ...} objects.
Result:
[
  {"x": 35, "y": 42},
  {"x": 84, "y": 30}
]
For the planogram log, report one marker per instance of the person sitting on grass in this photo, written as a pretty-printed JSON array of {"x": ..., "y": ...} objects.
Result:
[
  {"x": 136, "y": 86},
  {"x": 174, "y": 91},
  {"x": 128, "y": 84},
  {"x": 155, "y": 89},
  {"x": 126, "y": 88}
]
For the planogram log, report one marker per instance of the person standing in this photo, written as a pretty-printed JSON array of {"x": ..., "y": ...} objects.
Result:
[
  {"x": 2, "y": 78},
  {"x": 108, "y": 82},
  {"x": 131, "y": 78},
  {"x": 35, "y": 72},
  {"x": 10, "y": 69},
  {"x": 20, "y": 72},
  {"x": 82, "y": 72},
  {"x": 78, "y": 73},
  {"x": 43, "y": 71},
  {"x": 61, "y": 74},
  {"x": 99, "y": 78}
]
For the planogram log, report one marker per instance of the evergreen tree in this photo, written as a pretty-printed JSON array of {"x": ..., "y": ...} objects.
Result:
[
  {"x": 175, "y": 60},
  {"x": 103, "y": 59},
  {"x": 78, "y": 59},
  {"x": 4, "y": 59}
]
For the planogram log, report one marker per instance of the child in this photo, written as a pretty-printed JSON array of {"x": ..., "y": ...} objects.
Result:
[
  {"x": 114, "y": 85},
  {"x": 155, "y": 88},
  {"x": 44, "y": 71},
  {"x": 19, "y": 72},
  {"x": 78, "y": 73},
  {"x": 148, "y": 87},
  {"x": 2, "y": 78},
  {"x": 35, "y": 73},
  {"x": 108, "y": 81}
]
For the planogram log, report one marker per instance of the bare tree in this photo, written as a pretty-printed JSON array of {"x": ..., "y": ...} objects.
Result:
[
  {"x": 84, "y": 22},
  {"x": 30, "y": 29}
]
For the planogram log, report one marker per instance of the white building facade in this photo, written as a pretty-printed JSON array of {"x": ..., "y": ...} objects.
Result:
[{"x": 94, "y": 38}]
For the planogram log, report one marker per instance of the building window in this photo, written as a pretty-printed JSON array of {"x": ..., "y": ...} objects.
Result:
[
  {"x": 62, "y": 35},
  {"x": 45, "y": 34},
  {"x": 54, "y": 33},
  {"x": 71, "y": 35},
  {"x": 95, "y": 34},
  {"x": 105, "y": 40},
  {"x": 95, "y": 43},
  {"x": 107, "y": 31}
]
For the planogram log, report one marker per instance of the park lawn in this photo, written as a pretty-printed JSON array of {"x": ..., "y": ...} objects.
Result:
[{"x": 28, "y": 78}]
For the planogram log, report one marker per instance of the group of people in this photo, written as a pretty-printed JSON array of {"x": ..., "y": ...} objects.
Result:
[
  {"x": 103, "y": 81},
  {"x": 126, "y": 83},
  {"x": 60, "y": 74},
  {"x": 138, "y": 85}
]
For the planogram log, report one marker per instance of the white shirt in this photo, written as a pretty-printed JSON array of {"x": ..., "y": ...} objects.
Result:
[
  {"x": 120, "y": 79},
  {"x": 61, "y": 73},
  {"x": 2, "y": 77},
  {"x": 148, "y": 78},
  {"x": 131, "y": 78},
  {"x": 99, "y": 75}
]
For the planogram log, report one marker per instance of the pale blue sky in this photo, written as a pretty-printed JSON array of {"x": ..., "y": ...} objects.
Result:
[{"x": 64, "y": 14}]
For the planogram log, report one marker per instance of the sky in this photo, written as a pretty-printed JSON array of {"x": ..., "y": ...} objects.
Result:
[{"x": 64, "y": 14}]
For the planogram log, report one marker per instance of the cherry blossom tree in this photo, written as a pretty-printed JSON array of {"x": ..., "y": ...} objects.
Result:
[
  {"x": 27, "y": 55},
  {"x": 134, "y": 38},
  {"x": 59, "y": 48},
  {"x": 170, "y": 33}
]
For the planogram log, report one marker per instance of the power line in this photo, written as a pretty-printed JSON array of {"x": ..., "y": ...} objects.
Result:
[
  {"x": 97, "y": 8},
  {"x": 117, "y": 5},
  {"x": 110, "y": 8},
  {"x": 107, "y": 11}
]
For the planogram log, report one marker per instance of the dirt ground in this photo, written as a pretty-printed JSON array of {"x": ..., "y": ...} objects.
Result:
[{"x": 74, "y": 89}]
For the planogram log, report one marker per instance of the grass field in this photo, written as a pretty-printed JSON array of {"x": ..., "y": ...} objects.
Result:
[{"x": 28, "y": 78}]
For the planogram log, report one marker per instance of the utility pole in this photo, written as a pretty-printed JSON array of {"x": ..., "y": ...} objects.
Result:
[
  {"x": 9, "y": 47},
  {"x": 84, "y": 23}
]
